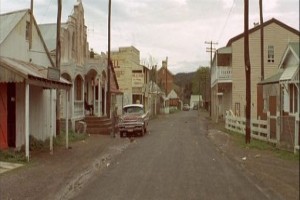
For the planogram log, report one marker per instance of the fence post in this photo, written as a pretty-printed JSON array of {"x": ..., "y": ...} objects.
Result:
[
  {"x": 296, "y": 132},
  {"x": 278, "y": 126},
  {"x": 268, "y": 126}
]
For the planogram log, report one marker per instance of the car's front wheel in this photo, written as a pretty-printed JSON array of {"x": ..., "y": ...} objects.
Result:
[
  {"x": 143, "y": 132},
  {"x": 121, "y": 134}
]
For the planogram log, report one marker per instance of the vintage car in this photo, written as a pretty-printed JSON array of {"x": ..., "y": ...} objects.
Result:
[
  {"x": 186, "y": 107},
  {"x": 134, "y": 120}
]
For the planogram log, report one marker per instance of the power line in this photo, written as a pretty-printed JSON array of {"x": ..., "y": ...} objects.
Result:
[
  {"x": 210, "y": 49},
  {"x": 221, "y": 33}
]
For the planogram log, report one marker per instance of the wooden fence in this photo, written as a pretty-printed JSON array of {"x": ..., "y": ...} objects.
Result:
[{"x": 261, "y": 129}]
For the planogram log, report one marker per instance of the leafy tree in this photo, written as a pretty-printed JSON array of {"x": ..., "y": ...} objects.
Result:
[{"x": 201, "y": 82}]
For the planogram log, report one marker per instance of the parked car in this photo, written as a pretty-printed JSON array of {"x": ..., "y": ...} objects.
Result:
[
  {"x": 134, "y": 120},
  {"x": 186, "y": 107}
]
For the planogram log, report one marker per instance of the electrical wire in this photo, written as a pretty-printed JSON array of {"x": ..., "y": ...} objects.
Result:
[{"x": 230, "y": 11}]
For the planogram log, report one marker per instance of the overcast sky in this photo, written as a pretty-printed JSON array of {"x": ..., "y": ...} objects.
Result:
[{"x": 176, "y": 29}]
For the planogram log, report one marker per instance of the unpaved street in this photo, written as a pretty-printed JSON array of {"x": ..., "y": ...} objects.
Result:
[{"x": 175, "y": 161}]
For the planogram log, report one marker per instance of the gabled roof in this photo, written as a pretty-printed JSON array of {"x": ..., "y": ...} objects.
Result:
[
  {"x": 8, "y": 21},
  {"x": 167, "y": 70},
  {"x": 273, "y": 20},
  {"x": 172, "y": 94},
  {"x": 49, "y": 34},
  {"x": 292, "y": 48},
  {"x": 289, "y": 73}
]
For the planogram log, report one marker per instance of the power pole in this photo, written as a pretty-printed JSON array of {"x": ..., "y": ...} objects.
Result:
[
  {"x": 108, "y": 62},
  {"x": 211, "y": 50},
  {"x": 57, "y": 56},
  {"x": 261, "y": 40},
  {"x": 247, "y": 71}
]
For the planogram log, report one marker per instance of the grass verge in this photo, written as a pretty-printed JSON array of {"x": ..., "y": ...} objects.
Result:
[
  {"x": 263, "y": 146},
  {"x": 18, "y": 156}
]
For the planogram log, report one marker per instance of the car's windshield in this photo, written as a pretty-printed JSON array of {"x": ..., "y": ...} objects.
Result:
[{"x": 133, "y": 109}]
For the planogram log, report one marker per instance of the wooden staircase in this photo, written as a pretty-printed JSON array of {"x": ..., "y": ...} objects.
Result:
[{"x": 98, "y": 125}]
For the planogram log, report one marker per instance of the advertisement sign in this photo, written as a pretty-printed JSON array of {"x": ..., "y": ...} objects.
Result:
[{"x": 137, "y": 79}]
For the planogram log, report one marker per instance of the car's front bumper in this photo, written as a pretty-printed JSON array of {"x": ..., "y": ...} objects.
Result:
[{"x": 132, "y": 127}]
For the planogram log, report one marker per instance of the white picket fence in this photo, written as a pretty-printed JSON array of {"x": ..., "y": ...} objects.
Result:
[{"x": 260, "y": 129}]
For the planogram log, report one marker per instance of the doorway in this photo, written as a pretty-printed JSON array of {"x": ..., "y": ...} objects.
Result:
[{"x": 11, "y": 114}]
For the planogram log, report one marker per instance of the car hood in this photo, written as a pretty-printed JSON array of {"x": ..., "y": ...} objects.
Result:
[{"x": 132, "y": 116}]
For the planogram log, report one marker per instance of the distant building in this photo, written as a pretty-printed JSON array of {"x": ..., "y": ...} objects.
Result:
[
  {"x": 131, "y": 76},
  {"x": 165, "y": 79},
  {"x": 196, "y": 100}
]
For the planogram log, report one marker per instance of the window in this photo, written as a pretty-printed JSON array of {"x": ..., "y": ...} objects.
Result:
[
  {"x": 270, "y": 54},
  {"x": 27, "y": 30},
  {"x": 73, "y": 42},
  {"x": 237, "y": 109},
  {"x": 78, "y": 89}
]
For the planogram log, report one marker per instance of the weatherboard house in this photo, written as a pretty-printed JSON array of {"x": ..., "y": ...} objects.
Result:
[
  {"x": 28, "y": 82},
  {"x": 281, "y": 102},
  {"x": 228, "y": 70}
]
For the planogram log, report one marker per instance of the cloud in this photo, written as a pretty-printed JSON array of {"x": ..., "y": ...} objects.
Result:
[{"x": 174, "y": 28}]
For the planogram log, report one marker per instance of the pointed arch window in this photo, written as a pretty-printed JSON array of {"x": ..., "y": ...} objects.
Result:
[{"x": 73, "y": 41}]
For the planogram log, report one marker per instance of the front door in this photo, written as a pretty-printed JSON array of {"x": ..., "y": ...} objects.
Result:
[{"x": 11, "y": 114}]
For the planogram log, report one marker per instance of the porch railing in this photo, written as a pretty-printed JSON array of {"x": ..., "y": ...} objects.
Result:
[
  {"x": 221, "y": 74},
  {"x": 78, "y": 109}
]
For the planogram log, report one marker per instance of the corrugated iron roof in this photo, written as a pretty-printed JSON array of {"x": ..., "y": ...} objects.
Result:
[
  {"x": 8, "y": 21},
  {"x": 48, "y": 32},
  {"x": 273, "y": 79},
  {"x": 289, "y": 73},
  {"x": 17, "y": 71}
]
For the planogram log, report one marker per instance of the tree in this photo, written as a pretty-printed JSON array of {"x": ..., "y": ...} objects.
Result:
[{"x": 200, "y": 82}]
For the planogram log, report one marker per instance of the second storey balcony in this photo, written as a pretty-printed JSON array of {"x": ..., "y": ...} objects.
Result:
[
  {"x": 221, "y": 74},
  {"x": 221, "y": 69}
]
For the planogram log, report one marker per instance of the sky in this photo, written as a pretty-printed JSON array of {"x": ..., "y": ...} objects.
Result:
[{"x": 177, "y": 29}]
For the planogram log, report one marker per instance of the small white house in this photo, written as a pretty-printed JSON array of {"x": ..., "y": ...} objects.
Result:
[{"x": 196, "y": 100}]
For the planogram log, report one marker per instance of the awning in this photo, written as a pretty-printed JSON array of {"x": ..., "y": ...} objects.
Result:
[{"x": 13, "y": 70}]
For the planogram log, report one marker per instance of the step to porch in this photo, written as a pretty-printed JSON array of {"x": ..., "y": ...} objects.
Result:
[{"x": 98, "y": 125}]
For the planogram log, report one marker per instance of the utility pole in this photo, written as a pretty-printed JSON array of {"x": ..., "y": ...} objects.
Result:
[
  {"x": 57, "y": 56},
  {"x": 261, "y": 40},
  {"x": 247, "y": 71},
  {"x": 211, "y": 50},
  {"x": 108, "y": 63}
]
